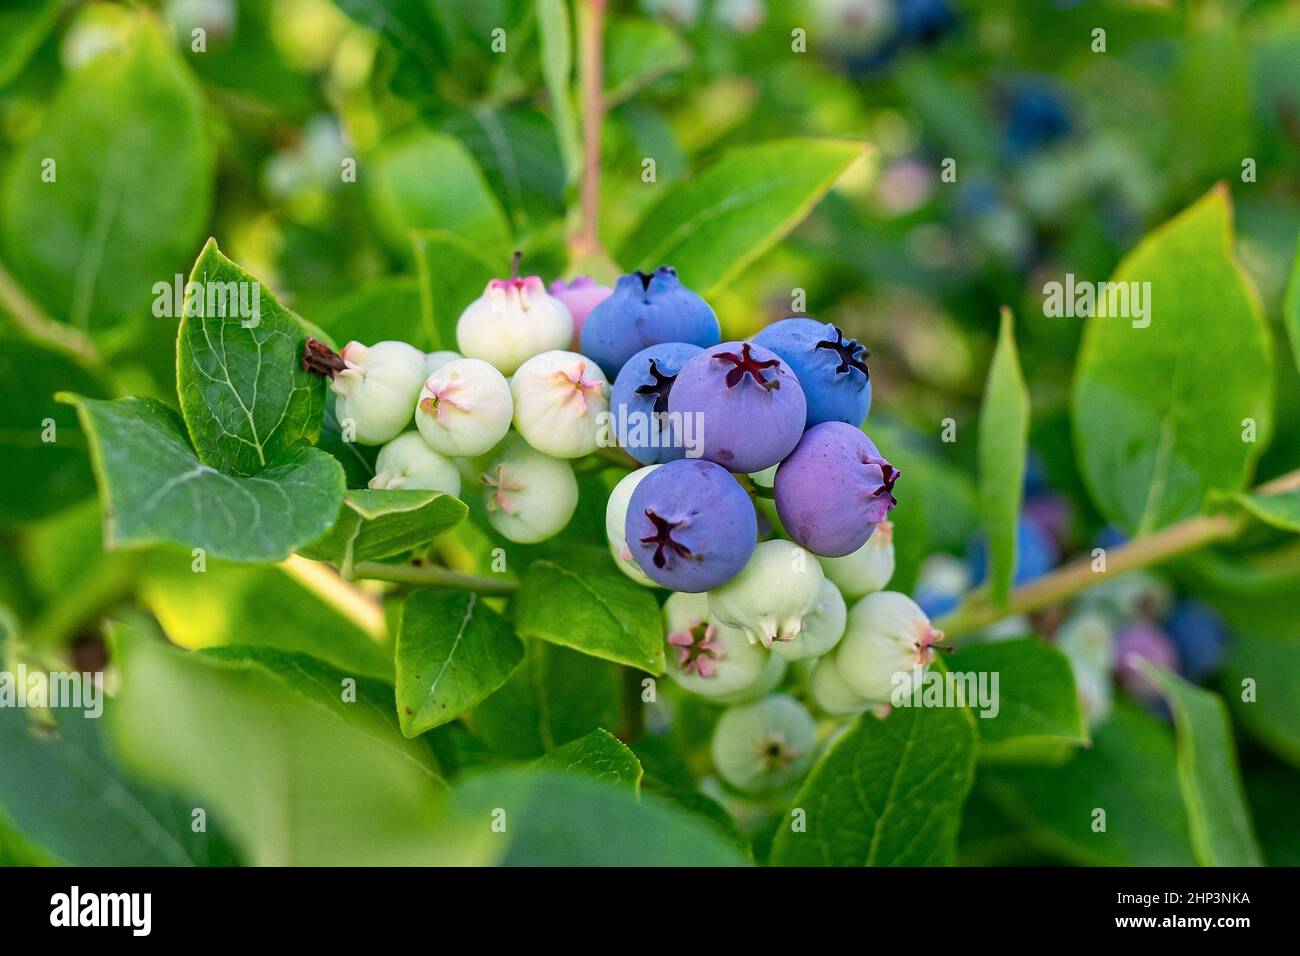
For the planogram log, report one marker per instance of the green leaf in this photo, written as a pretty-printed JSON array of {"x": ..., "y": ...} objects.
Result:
[
  {"x": 375, "y": 524},
  {"x": 453, "y": 273},
  {"x": 132, "y": 185},
  {"x": 379, "y": 311},
  {"x": 1266, "y": 658},
  {"x": 557, "y": 71},
  {"x": 155, "y": 489},
  {"x": 452, "y": 652},
  {"x": 599, "y": 754},
  {"x": 558, "y": 819},
  {"x": 1280, "y": 511},
  {"x": 23, "y": 25},
  {"x": 297, "y": 776},
  {"x": 638, "y": 52},
  {"x": 227, "y": 605},
  {"x": 713, "y": 225},
  {"x": 358, "y": 460},
  {"x": 1037, "y": 708},
  {"x": 887, "y": 793},
  {"x": 244, "y": 394},
  {"x": 1222, "y": 833},
  {"x": 60, "y": 468},
  {"x": 1291, "y": 308},
  {"x": 427, "y": 180},
  {"x": 586, "y": 603},
  {"x": 1159, "y": 410},
  {"x": 555, "y": 696},
  {"x": 1004, "y": 431},
  {"x": 1115, "y": 803}
]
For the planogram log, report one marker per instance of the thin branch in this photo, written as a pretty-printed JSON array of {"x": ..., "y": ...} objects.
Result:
[
  {"x": 432, "y": 575},
  {"x": 591, "y": 73},
  {"x": 362, "y": 609}
]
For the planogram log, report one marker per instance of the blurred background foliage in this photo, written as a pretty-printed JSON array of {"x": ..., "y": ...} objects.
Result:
[{"x": 1065, "y": 157}]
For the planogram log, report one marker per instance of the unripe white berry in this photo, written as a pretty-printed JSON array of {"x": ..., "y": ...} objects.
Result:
[
  {"x": 830, "y": 693},
  {"x": 867, "y": 569},
  {"x": 436, "y": 360},
  {"x": 706, "y": 657},
  {"x": 464, "y": 408},
  {"x": 822, "y": 629},
  {"x": 513, "y": 320},
  {"x": 559, "y": 399},
  {"x": 616, "y": 520},
  {"x": 762, "y": 747},
  {"x": 887, "y": 637},
  {"x": 768, "y": 681},
  {"x": 377, "y": 389},
  {"x": 407, "y": 462},
  {"x": 769, "y": 598},
  {"x": 529, "y": 496}
]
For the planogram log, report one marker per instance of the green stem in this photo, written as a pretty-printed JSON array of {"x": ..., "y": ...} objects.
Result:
[
  {"x": 978, "y": 612},
  {"x": 433, "y": 575},
  {"x": 38, "y": 326},
  {"x": 591, "y": 74}
]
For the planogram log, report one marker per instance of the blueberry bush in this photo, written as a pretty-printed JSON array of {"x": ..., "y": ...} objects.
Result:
[{"x": 686, "y": 432}]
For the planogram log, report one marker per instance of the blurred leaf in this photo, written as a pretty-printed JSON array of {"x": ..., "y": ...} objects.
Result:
[
  {"x": 600, "y": 755},
  {"x": 411, "y": 29},
  {"x": 134, "y": 169},
  {"x": 453, "y": 273},
  {"x": 717, "y": 222},
  {"x": 60, "y": 468},
  {"x": 557, "y": 695},
  {"x": 379, "y": 311},
  {"x": 1222, "y": 834},
  {"x": 376, "y": 524},
  {"x": 227, "y": 605},
  {"x": 1274, "y": 793},
  {"x": 1158, "y": 410},
  {"x": 243, "y": 391},
  {"x": 1114, "y": 804},
  {"x": 23, "y": 25},
  {"x": 299, "y": 776},
  {"x": 1037, "y": 707},
  {"x": 1003, "y": 433},
  {"x": 557, "y": 819},
  {"x": 584, "y": 602},
  {"x": 1280, "y": 511},
  {"x": 638, "y": 52},
  {"x": 1211, "y": 109},
  {"x": 557, "y": 70},
  {"x": 452, "y": 652},
  {"x": 427, "y": 180},
  {"x": 521, "y": 159},
  {"x": 154, "y": 489},
  {"x": 1291, "y": 308},
  {"x": 887, "y": 793},
  {"x": 1266, "y": 656}
]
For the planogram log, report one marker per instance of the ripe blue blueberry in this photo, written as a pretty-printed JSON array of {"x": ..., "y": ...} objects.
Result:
[
  {"x": 1035, "y": 554},
  {"x": 747, "y": 402},
  {"x": 646, "y": 309},
  {"x": 834, "y": 489},
  {"x": 690, "y": 526},
  {"x": 832, "y": 369},
  {"x": 640, "y": 402},
  {"x": 1199, "y": 634}
]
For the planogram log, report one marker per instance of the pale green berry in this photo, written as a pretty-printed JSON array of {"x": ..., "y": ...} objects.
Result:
[
  {"x": 529, "y": 497},
  {"x": 887, "y": 643},
  {"x": 436, "y": 360},
  {"x": 830, "y": 693},
  {"x": 764, "y": 746},
  {"x": 560, "y": 399},
  {"x": 769, "y": 598},
  {"x": 706, "y": 657},
  {"x": 867, "y": 569},
  {"x": 464, "y": 408},
  {"x": 377, "y": 389},
  {"x": 511, "y": 322},
  {"x": 822, "y": 629},
  {"x": 1088, "y": 638},
  {"x": 773, "y": 673},
  {"x": 616, "y": 518},
  {"x": 408, "y": 463}
]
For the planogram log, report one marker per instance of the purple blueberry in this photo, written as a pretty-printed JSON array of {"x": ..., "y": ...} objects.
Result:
[
  {"x": 646, "y": 309},
  {"x": 1199, "y": 635},
  {"x": 834, "y": 489},
  {"x": 690, "y": 526},
  {"x": 639, "y": 403},
  {"x": 749, "y": 408},
  {"x": 1141, "y": 639},
  {"x": 831, "y": 369}
]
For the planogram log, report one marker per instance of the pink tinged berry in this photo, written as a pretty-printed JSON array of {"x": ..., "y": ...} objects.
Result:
[
  {"x": 698, "y": 648},
  {"x": 501, "y": 486},
  {"x": 441, "y": 399}
]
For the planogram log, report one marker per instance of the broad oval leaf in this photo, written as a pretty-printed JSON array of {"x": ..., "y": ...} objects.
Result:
[
  {"x": 1003, "y": 432},
  {"x": 1160, "y": 401},
  {"x": 1281, "y": 511},
  {"x": 131, "y": 189},
  {"x": 452, "y": 652},
  {"x": 1222, "y": 832},
  {"x": 155, "y": 489},
  {"x": 638, "y": 52},
  {"x": 600, "y": 755},
  {"x": 375, "y": 524},
  {"x": 715, "y": 223},
  {"x": 243, "y": 391},
  {"x": 584, "y": 602},
  {"x": 1266, "y": 656},
  {"x": 887, "y": 793}
]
